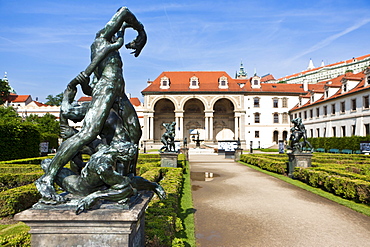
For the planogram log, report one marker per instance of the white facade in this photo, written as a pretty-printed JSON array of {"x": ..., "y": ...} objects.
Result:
[{"x": 342, "y": 110}]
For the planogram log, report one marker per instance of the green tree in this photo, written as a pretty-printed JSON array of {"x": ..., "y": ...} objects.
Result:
[
  {"x": 4, "y": 91},
  {"x": 54, "y": 100},
  {"x": 45, "y": 124},
  {"x": 9, "y": 114}
]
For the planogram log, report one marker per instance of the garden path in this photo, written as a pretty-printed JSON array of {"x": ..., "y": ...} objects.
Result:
[{"x": 239, "y": 206}]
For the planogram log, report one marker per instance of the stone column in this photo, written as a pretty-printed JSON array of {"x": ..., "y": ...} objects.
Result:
[
  {"x": 206, "y": 129},
  {"x": 236, "y": 127},
  {"x": 151, "y": 127},
  {"x": 209, "y": 125},
  {"x": 179, "y": 125}
]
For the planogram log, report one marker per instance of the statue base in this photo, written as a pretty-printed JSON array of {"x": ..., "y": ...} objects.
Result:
[
  {"x": 238, "y": 153},
  {"x": 169, "y": 159},
  {"x": 109, "y": 225},
  {"x": 298, "y": 160}
]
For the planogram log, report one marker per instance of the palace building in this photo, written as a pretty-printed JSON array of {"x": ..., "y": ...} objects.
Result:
[{"x": 219, "y": 107}]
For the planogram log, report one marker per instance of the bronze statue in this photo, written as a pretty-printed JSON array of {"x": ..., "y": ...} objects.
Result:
[
  {"x": 298, "y": 131},
  {"x": 110, "y": 115},
  {"x": 168, "y": 138},
  {"x": 99, "y": 180}
]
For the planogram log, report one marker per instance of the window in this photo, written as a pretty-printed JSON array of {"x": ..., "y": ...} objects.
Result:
[
  {"x": 324, "y": 132},
  {"x": 366, "y": 102},
  {"x": 165, "y": 83},
  {"x": 257, "y": 117},
  {"x": 334, "y": 132},
  {"x": 194, "y": 82},
  {"x": 305, "y": 115},
  {"x": 256, "y": 102},
  {"x": 285, "y": 102},
  {"x": 343, "y": 131},
  {"x": 311, "y": 132},
  {"x": 275, "y": 103},
  {"x": 223, "y": 82},
  {"x": 311, "y": 113},
  {"x": 285, "y": 118},
  {"x": 317, "y": 132},
  {"x": 255, "y": 82},
  {"x": 353, "y": 129},
  {"x": 353, "y": 104},
  {"x": 317, "y": 112},
  {"x": 367, "y": 129},
  {"x": 325, "y": 110},
  {"x": 342, "y": 107},
  {"x": 276, "y": 117},
  {"x": 345, "y": 87},
  {"x": 300, "y": 115},
  {"x": 256, "y": 134},
  {"x": 333, "y": 109}
]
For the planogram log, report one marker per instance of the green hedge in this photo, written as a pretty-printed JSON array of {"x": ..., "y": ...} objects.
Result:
[
  {"x": 266, "y": 162},
  {"x": 9, "y": 180},
  {"x": 352, "y": 143},
  {"x": 19, "y": 140},
  {"x": 352, "y": 189},
  {"x": 15, "y": 200}
]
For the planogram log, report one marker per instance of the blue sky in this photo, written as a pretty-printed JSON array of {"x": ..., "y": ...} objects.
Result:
[{"x": 44, "y": 44}]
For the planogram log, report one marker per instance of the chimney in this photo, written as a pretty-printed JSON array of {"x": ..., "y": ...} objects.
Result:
[{"x": 305, "y": 85}]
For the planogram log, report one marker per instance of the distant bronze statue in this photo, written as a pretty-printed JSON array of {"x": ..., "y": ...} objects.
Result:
[
  {"x": 168, "y": 138},
  {"x": 110, "y": 115},
  {"x": 298, "y": 131}
]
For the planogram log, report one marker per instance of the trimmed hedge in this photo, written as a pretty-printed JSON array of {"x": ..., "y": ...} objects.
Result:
[
  {"x": 19, "y": 140},
  {"x": 352, "y": 189},
  {"x": 9, "y": 180},
  {"x": 352, "y": 143},
  {"x": 15, "y": 200}
]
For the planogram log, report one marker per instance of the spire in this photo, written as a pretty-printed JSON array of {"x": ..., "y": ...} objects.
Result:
[
  {"x": 310, "y": 65},
  {"x": 255, "y": 72},
  {"x": 11, "y": 90},
  {"x": 322, "y": 63},
  {"x": 242, "y": 74},
  {"x": 5, "y": 76}
]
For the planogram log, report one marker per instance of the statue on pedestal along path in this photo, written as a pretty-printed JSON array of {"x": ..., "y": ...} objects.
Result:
[
  {"x": 168, "y": 138},
  {"x": 108, "y": 120},
  {"x": 298, "y": 131}
]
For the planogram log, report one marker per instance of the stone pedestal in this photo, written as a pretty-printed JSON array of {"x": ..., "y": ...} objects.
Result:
[
  {"x": 238, "y": 153},
  {"x": 298, "y": 160},
  {"x": 108, "y": 226},
  {"x": 168, "y": 159},
  {"x": 229, "y": 154}
]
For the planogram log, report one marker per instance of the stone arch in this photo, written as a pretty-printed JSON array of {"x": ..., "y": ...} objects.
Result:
[
  {"x": 164, "y": 112},
  {"x": 185, "y": 100},
  {"x": 275, "y": 136},
  {"x": 231, "y": 99},
  {"x": 194, "y": 118},
  {"x": 223, "y": 120},
  {"x": 157, "y": 99}
]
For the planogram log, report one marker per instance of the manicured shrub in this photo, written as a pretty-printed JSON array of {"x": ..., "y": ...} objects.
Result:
[{"x": 19, "y": 140}]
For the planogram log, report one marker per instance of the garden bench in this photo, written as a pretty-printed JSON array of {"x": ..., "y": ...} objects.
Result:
[
  {"x": 346, "y": 151},
  {"x": 357, "y": 152},
  {"x": 320, "y": 150},
  {"x": 334, "y": 150}
]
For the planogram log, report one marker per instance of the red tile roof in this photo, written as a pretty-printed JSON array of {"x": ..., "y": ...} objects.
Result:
[
  {"x": 40, "y": 104},
  {"x": 18, "y": 98},
  {"x": 209, "y": 82},
  {"x": 134, "y": 101}
]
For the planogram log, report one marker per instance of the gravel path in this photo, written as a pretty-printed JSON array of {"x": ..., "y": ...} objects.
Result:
[{"x": 240, "y": 206}]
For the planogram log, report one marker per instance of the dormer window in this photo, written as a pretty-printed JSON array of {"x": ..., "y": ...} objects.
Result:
[
  {"x": 222, "y": 82},
  {"x": 165, "y": 83},
  {"x": 344, "y": 87},
  {"x": 194, "y": 82}
]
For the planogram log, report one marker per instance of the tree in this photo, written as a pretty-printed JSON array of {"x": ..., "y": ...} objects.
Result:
[
  {"x": 9, "y": 114},
  {"x": 54, "y": 100},
  {"x": 4, "y": 91},
  {"x": 46, "y": 124}
]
